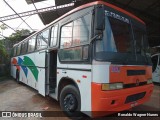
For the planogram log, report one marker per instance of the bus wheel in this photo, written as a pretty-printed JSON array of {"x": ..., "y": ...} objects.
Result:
[
  {"x": 17, "y": 76},
  {"x": 70, "y": 101}
]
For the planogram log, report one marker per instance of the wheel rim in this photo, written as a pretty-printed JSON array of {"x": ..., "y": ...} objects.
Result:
[{"x": 70, "y": 103}]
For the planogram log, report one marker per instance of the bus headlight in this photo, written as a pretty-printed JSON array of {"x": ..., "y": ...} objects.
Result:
[
  {"x": 149, "y": 81},
  {"x": 112, "y": 86}
]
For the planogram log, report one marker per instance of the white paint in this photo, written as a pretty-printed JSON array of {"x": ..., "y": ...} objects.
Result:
[
  {"x": 41, "y": 82},
  {"x": 156, "y": 73},
  {"x": 100, "y": 72}
]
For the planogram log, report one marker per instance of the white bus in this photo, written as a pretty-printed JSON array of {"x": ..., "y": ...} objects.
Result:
[
  {"x": 92, "y": 59},
  {"x": 156, "y": 67}
]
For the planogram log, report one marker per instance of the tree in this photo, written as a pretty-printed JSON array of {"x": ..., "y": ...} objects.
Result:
[
  {"x": 3, "y": 52},
  {"x": 19, "y": 35},
  {"x": 7, "y": 43},
  {"x": 2, "y": 28}
]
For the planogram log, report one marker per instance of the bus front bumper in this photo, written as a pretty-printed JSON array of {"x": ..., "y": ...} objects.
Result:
[{"x": 108, "y": 102}]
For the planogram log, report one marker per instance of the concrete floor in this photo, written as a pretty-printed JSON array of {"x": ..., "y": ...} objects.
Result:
[{"x": 19, "y": 97}]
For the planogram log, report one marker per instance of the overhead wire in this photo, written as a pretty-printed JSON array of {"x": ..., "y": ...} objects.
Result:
[
  {"x": 8, "y": 26},
  {"x": 37, "y": 11},
  {"x": 18, "y": 15},
  {"x": 23, "y": 22},
  {"x": 3, "y": 36}
]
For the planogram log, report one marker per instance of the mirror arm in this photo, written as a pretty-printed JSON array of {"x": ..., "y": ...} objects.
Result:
[{"x": 93, "y": 38}]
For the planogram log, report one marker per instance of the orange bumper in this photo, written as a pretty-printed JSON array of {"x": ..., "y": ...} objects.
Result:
[{"x": 107, "y": 102}]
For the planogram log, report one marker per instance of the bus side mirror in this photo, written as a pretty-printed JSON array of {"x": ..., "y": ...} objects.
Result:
[{"x": 99, "y": 20}]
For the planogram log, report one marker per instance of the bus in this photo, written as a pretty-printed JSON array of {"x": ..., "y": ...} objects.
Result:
[
  {"x": 156, "y": 67},
  {"x": 93, "y": 60}
]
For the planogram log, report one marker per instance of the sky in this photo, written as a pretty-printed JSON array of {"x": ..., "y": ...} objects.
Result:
[{"x": 22, "y": 6}]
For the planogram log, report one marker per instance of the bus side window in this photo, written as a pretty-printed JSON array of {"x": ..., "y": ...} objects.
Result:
[
  {"x": 24, "y": 47},
  {"x": 54, "y": 34},
  {"x": 42, "y": 40},
  {"x": 81, "y": 30},
  {"x": 66, "y": 35},
  {"x": 74, "y": 39},
  {"x": 31, "y": 44},
  {"x": 14, "y": 51},
  {"x": 18, "y": 49}
]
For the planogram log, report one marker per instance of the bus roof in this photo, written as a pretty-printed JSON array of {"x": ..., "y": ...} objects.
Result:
[{"x": 85, "y": 6}]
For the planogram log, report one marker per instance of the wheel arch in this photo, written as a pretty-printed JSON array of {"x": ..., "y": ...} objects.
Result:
[{"x": 64, "y": 82}]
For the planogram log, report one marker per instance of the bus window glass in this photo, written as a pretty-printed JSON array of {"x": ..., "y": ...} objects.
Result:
[
  {"x": 54, "y": 33},
  {"x": 14, "y": 53},
  {"x": 140, "y": 38},
  {"x": 121, "y": 36},
  {"x": 71, "y": 54},
  {"x": 42, "y": 39},
  {"x": 18, "y": 49},
  {"x": 66, "y": 35},
  {"x": 81, "y": 30},
  {"x": 31, "y": 44},
  {"x": 24, "y": 47},
  {"x": 85, "y": 52},
  {"x": 117, "y": 37}
]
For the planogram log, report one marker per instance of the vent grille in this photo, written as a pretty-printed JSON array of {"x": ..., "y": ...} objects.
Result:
[
  {"x": 134, "y": 85},
  {"x": 135, "y": 97},
  {"x": 135, "y": 72}
]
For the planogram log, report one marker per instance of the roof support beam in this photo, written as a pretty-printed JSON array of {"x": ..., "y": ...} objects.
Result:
[
  {"x": 40, "y": 15},
  {"x": 33, "y": 12},
  {"x": 18, "y": 15}
]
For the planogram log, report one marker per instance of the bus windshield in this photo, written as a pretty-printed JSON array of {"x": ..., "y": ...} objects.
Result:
[{"x": 124, "y": 42}]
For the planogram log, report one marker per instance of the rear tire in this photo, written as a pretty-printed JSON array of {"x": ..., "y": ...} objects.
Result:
[
  {"x": 17, "y": 76},
  {"x": 70, "y": 101}
]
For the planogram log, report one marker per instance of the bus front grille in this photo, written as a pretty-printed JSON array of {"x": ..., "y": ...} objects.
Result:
[
  {"x": 135, "y": 72},
  {"x": 135, "y": 97},
  {"x": 134, "y": 85}
]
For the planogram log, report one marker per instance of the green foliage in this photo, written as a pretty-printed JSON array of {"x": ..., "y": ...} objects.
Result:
[
  {"x": 13, "y": 38},
  {"x": 3, "y": 27},
  {"x": 3, "y": 52},
  {"x": 2, "y": 49},
  {"x": 18, "y": 35}
]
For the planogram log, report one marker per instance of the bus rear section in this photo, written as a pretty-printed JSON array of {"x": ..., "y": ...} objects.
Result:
[{"x": 121, "y": 67}]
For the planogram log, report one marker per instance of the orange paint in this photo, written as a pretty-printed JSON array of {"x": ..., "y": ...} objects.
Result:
[
  {"x": 14, "y": 61},
  {"x": 101, "y": 100},
  {"x": 78, "y": 81},
  {"x": 121, "y": 76},
  {"x": 106, "y": 4}
]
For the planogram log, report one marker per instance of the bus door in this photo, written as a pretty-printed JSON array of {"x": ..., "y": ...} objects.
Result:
[
  {"x": 52, "y": 71},
  {"x": 156, "y": 68}
]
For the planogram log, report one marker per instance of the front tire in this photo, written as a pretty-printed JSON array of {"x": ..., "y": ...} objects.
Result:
[{"x": 70, "y": 101}]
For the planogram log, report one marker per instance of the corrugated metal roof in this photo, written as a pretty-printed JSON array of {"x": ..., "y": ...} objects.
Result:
[{"x": 30, "y": 1}]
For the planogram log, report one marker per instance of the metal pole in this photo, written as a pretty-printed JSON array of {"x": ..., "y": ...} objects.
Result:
[{"x": 18, "y": 15}]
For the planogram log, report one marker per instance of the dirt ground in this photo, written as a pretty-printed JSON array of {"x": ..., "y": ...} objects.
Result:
[{"x": 19, "y": 97}]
